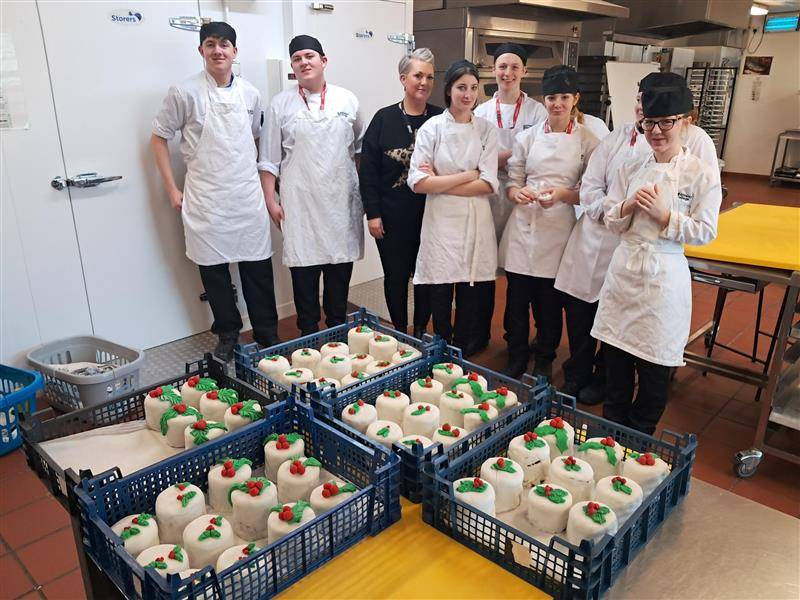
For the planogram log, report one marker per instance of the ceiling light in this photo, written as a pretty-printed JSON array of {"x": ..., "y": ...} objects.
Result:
[{"x": 757, "y": 10}]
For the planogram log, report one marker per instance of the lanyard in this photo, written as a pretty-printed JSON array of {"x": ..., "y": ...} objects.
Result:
[
  {"x": 321, "y": 96},
  {"x": 516, "y": 111},
  {"x": 548, "y": 130},
  {"x": 633, "y": 137},
  {"x": 408, "y": 123}
]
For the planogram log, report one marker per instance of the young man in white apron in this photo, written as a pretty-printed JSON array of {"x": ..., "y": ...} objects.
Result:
[
  {"x": 222, "y": 206},
  {"x": 312, "y": 136}
]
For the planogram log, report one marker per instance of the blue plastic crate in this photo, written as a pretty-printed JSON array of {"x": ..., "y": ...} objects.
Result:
[
  {"x": 109, "y": 497},
  {"x": 561, "y": 569},
  {"x": 17, "y": 397},
  {"x": 329, "y": 404},
  {"x": 37, "y": 428},
  {"x": 247, "y": 356}
]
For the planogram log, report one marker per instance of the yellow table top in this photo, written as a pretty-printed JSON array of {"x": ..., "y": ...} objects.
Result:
[
  {"x": 755, "y": 234},
  {"x": 411, "y": 560}
]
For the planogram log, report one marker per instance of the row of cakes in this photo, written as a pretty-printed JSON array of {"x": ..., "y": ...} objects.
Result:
[
  {"x": 198, "y": 412},
  {"x": 338, "y": 364}
]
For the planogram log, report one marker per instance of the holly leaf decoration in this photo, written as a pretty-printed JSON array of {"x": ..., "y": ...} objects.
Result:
[
  {"x": 363, "y": 329},
  {"x": 228, "y": 396},
  {"x": 556, "y": 496},
  {"x": 610, "y": 454},
  {"x": 176, "y": 553},
  {"x": 621, "y": 487},
  {"x": 537, "y": 443},
  {"x": 336, "y": 359},
  {"x": 422, "y": 383},
  {"x": 474, "y": 386},
  {"x": 312, "y": 462},
  {"x": 209, "y": 533},
  {"x": 143, "y": 519},
  {"x": 418, "y": 412},
  {"x": 200, "y": 436},
  {"x": 238, "y": 463},
  {"x": 571, "y": 466},
  {"x": 243, "y": 487},
  {"x": 443, "y": 367},
  {"x": 560, "y": 434},
  {"x": 480, "y": 412},
  {"x": 348, "y": 487},
  {"x": 410, "y": 443},
  {"x": 445, "y": 432},
  {"x": 290, "y": 437},
  {"x": 598, "y": 516},
  {"x": 158, "y": 564},
  {"x": 206, "y": 384},
  {"x": 499, "y": 400},
  {"x": 171, "y": 413},
  {"x": 129, "y": 532},
  {"x": 356, "y": 408},
  {"x": 469, "y": 486},
  {"x": 508, "y": 467},
  {"x": 293, "y": 373},
  {"x": 187, "y": 497},
  {"x": 383, "y": 432},
  {"x": 452, "y": 394},
  {"x": 248, "y": 410}
]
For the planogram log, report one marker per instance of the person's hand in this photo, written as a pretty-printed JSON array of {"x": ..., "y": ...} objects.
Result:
[
  {"x": 176, "y": 199},
  {"x": 547, "y": 197},
  {"x": 427, "y": 168},
  {"x": 630, "y": 205},
  {"x": 523, "y": 195},
  {"x": 275, "y": 213},
  {"x": 376, "y": 228},
  {"x": 650, "y": 202}
]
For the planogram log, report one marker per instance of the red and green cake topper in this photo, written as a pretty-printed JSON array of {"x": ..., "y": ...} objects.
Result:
[
  {"x": 333, "y": 489},
  {"x": 231, "y": 465},
  {"x": 504, "y": 464},
  {"x": 141, "y": 520},
  {"x": 596, "y": 512},
  {"x": 199, "y": 430},
  {"x": 177, "y": 410},
  {"x": 335, "y": 360},
  {"x": 283, "y": 441},
  {"x": 448, "y": 431},
  {"x": 224, "y": 395},
  {"x": 454, "y": 394},
  {"x": 499, "y": 396},
  {"x": 480, "y": 410},
  {"x": 355, "y": 407},
  {"x": 555, "y": 428},
  {"x": 248, "y": 550},
  {"x": 363, "y": 329},
  {"x": 305, "y": 352},
  {"x": 619, "y": 484},
  {"x": 421, "y": 410},
  {"x": 406, "y": 353},
  {"x": 273, "y": 357},
  {"x": 293, "y": 373},
  {"x": 413, "y": 442},
  {"x": 298, "y": 467},
  {"x": 475, "y": 387},
  {"x": 381, "y": 338},
  {"x": 247, "y": 410},
  {"x": 555, "y": 495},
  {"x": 202, "y": 384},
  {"x": 383, "y": 432},
  {"x": 472, "y": 485},
  {"x": 333, "y": 344},
  {"x": 570, "y": 464},
  {"x": 382, "y": 364},
  {"x": 160, "y": 563},
  {"x": 184, "y": 498},
  {"x": 648, "y": 459},
  {"x": 252, "y": 487},
  {"x": 211, "y": 531},
  {"x": 446, "y": 367},
  {"x": 426, "y": 383},
  {"x": 606, "y": 444},
  {"x": 392, "y": 393},
  {"x": 291, "y": 514},
  {"x": 358, "y": 375},
  {"x": 531, "y": 440},
  {"x": 361, "y": 356},
  {"x": 166, "y": 393}
]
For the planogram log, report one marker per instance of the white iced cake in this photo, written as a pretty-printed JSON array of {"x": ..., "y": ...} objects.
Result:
[
  {"x": 354, "y": 377},
  {"x": 213, "y": 404},
  {"x": 280, "y": 447},
  {"x": 205, "y": 538},
  {"x": 502, "y": 398},
  {"x": 446, "y": 374},
  {"x": 174, "y": 421},
  {"x": 470, "y": 383},
  {"x": 297, "y": 478},
  {"x": 359, "y": 415},
  {"x": 533, "y": 453},
  {"x": 195, "y": 387},
  {"x": 176, "y": 506},
  {"x": 334, "y": 365},
  {"x": 447, "y": 435},
  {"x": 426, "y": 390},
  {"x": 305, "y": 358},
  {"x": 334, "y": 348},
  {"x": 548, "y": 507},
  {"x": 138, "y": 532},
  {"x": 296, "y": 376},
  {"x": 240, "y": 414},
  {"x": 475, "y": 492},
  {"x": 285, "y": 518},
  {"x": 382, "y": 346},
  {"x": 648, "y": 470},
  {"x": 378, "y": 366},
  {"x": 358, "y": 339},
  {"x": 157, "y": 402},
  {"x": 478, "y": 415},
  {"x": 236, "y": 553},
  {"x": 413, "y": 442},
  {"x": 391, "y": 404},
  {"x": 360, "y": 361},
  {"x": 405, "y": 354},
  {"x": 590, "y": 521},
  {"x": 451, "y": 404},
  {"x": 331, "y": 494},
  {"x": 250, "y": 502},
  {"x": 604, "y": 454},
  {"x": 505, "y": 476},
  {"x": 558, "y": 434},
  {"x": 574, "y": 474},
  {"x": 384, "y": 432},
  {"x": 273, "y": 365},
  {"x": 421, "y": 419},
  {"x": 621, "y": 495},
  {"x": 165, "y": 559},
  {"x": 202, "y": 431},
  {"x": 227, "y": 472}
]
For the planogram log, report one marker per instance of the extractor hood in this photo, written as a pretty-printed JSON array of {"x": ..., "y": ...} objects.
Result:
[
  {"x": 578, "y": 10},
  {"x": 679, "y": 18}
]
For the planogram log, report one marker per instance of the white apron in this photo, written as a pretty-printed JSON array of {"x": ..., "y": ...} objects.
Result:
[
  {"x": 457, "y": 241},
  {"x": 535, "y": 237},
  {"x": 224, "y": 214},
  {"x": 646, "y": 301},
  {"x": 319, "y": 194},
  {"x": 591, "y": 244}
]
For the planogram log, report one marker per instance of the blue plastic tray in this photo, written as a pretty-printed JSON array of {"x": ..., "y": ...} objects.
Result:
[
  {"x": 330, "y": 404},
  {"x": 561, "y": 569},
  {"x": 17, "y": 397},
  {"x": 108, "y": 497}
]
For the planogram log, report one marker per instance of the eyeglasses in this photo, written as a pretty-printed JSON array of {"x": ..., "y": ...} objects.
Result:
[{"x": 663, "y": 124}]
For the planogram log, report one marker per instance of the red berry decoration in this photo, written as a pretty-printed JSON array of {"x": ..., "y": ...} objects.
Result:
[
  {"x": 609, "y": 441},
  {"x": 472, "y": 377},
  {"x": 621, "y": 480},
  {"x": 477, "y": 482},
  {"x": 547, "y": 490},
  {"x": 293, "y": 469},
  {"x": 326, "y": 493},
  {"x": 171, "y": 555},
  {"x": 501, "y": 462},
  {"x": 351, "y": 411},
  {"x": 213, "y": 394},
  {"x": 180, "y": 408},
  {"x": 254, "y": 491},
  {"x": 456, "y": 432},
  {"x": 360, "y": 403},
  {"x": 484, "y": 406},
  {"x": 558, "y": 423},
  {"x": 450, "y": 366},
  {"x": 503, "y": 391},
  {"x": 179, "y": 497},
  {"x": 193, "y": 381},
  {"x": 570, "y": 460},
  {"x": 428, "y": 408},
  {"x": 420, "y": 407},
  {"x": 235, "y": 408},
  {"x": 210, "y": 528},
  {"x": 181, "y": 486},
  {"x": 259, "y": 484},
  {"x": 199, "y": 425},
  {"x": 446, "y": 427},
  {"x": 282, "y": 438},
  {"x": 156, "y": 392},
  {"x": 386, "y": 393},
  {"x": 228, "y": 464}
]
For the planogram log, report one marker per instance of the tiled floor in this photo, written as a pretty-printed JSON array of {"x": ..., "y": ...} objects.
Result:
[{"x": 37, "y": 551}]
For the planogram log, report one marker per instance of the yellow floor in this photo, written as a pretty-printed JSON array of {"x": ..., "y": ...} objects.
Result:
[{"x": 411, "y": 560}]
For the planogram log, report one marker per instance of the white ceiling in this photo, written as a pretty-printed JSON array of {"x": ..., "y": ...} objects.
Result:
[{"x": 780, "y": 5}]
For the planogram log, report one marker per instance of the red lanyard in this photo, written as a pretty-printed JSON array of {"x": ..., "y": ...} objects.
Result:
[
  {"x": 516, "y": 111},
  {"x": 548, "y": 130},
  {"x": 633, "y": 137},
  {"x": 321, "y": 96}
]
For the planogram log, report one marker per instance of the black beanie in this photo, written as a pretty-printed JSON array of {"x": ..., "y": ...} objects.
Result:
[
  {"x": 666, "y": 101},
  {"x": 652, "y": 80},
  {"x": 560, "y": 80},
  {"x": 509, "y": 48},
  {"x": 218, "y": 29},
  {"x": 305, "y": 42}
]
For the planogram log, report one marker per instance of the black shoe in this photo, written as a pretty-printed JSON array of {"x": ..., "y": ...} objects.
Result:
[
  {"x": 227, "y": 342},
  {"x": 592, "y": 394},
  {"x": 474, "y": 348},
  {"x": 570, "y": 388},
  {"x": 516, "y": 368},
  {"x": 268, "y": 341},
  {"x": 543, "y": 369},
  {"x": 419, "y": 332}
]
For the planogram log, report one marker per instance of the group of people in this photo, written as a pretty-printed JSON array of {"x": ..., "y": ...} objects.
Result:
[{"x": 584, "y": 223}]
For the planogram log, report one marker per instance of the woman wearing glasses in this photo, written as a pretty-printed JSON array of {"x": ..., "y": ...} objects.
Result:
[
  {"x": 656, "y": 204},
  {"x": 587, "y": 255}
]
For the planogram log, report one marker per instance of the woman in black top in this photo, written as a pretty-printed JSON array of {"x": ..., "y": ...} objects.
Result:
[{"x": 394, "y": 212}]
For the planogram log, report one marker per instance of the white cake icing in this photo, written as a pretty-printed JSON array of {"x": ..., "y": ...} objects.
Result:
[
  {"x": 574, "y": 474},
  {"x": 324, "y": 383},
  {"x": 405, "y": 354},
  {"x": 359, "y": 415},
  {"x": 176, "y": 506},
  {"x": 206, "y": 538},
  {"x": 334, "y": 366},
  {"x": 411, "y": 441},
  {"x": 502, "y": 399},
  {"x": 250, "y": 502},
  {"x": 382, "y": 346},
  {"x": 478, "y": 415},
  {"x": 360, "y": 361},
  {"x": 604, "y": 454},
  {"x": 138, "y": 532},
  {"x": 447, "y": 434},
  {"x": 421, "y": 418},
  {"x": 214, "y": 404},
  {"x": 279, "y": 448},
  {"x": 471, "y": 383},
  {"x": 174, "y": 422},
  {"x": 581, "y": 526},
  {"x": 273, "y": 365},
  {"x": 505, "y": 476},
  {"x": 201, "y": 432},
  {"x": 378, "y": 366},
  {"x": 426, "y": 390},
  {"x": 156, "y": 403},
  {"x": 391, "y": 405},
  {"x": 450, "y": 405},
  {"x": 222, "y": 476},
  {"x": 648, "y": 470},
  {"x": 533, "y": 453},
  {"x": 621, "y": 495},
  {"x": 298, "y": 515},
  {"x": 165, "y": 559},
  {"x": 446, "y": 373},
  {"x": 240, "y": 414},
  {"x": 297, "y": 376},
  {"x": 384, "y": 432},
  {"x": 358, "y": 339},
  {"x": 559, "y": 445},
  {"x": 475, "y": 492},
  {"x": 331, "y": 494},
  {"x": 236, "y": 553},
  {"x": 354, "y": 377},
  {"x": 305, "y": 358},
  {"x": 297, "y": 478},
  {"x": 195, "y": 387},
  {"x": 548, "y": 507},
  {"x": 334, "y": 348}
]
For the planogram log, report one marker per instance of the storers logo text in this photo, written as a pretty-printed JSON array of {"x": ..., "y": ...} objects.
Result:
[{"x": 126, "y": 17}]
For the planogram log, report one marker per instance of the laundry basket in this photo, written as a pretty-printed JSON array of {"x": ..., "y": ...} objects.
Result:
[
  {"x": 68, "y": 391},
  {"x": 17, "y": 394}
]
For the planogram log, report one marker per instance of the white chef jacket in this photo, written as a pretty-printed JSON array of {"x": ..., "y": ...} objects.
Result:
[{"x": 596, "y": 126}]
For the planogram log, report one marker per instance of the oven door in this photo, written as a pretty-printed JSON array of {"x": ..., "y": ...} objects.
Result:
[
  {"x": 543, "y": 51},
  {"x": 487, "y": 85}
]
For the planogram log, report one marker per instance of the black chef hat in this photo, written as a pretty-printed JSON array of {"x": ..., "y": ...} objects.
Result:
[
  {"x": 560, "y": 80},
  {"x": 305, "y": 42},
  {"x": 652, "y": 80},
  {"x": 218, "y": 29},
  {"x": 509, "y": 48},
  {"x": 666, "y": 101},
  {"x": 458, "y": 69}
]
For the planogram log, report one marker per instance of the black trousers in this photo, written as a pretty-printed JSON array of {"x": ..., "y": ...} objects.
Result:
[
  {"x": 651, "y": 399},
  {"x": 305, "y": 286},
  {"x": 582, "y": 346},
  {"x": 471, "y": 309},
  {"x": 536, "y": 294},
  {"x": 398, "y": 251},
  {"x": 258, "y": 289}
]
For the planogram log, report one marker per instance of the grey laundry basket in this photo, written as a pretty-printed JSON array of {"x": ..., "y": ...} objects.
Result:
[{"x": 67, "y": 391}]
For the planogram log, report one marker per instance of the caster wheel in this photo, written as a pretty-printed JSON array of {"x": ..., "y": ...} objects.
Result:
[
  {"x": 707, "y": 340},
  {"x": 746, "y": 462}
]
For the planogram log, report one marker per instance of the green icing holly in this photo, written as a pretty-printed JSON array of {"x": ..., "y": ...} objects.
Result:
[
  {"x": 297, "y": 510},
  {"x": 559, "y": 433},
  {"x": 248, "y": 485},
  {"x": 129, "y": 532},
  {"x": 158, "y": 564},
  {"x": 506, "y": 465},
  {"x": 469, "y": 486},
  {"x": 176, "y": 410},
  {"x": 420, "y": 411},
  {"x": 248, "y": 410},
  {"x": 337, "y": 359},
  {"x": 555, "y": 495},
  {"x": 186, "y": 498},
  {"x": 411, "y": 443},
  {"x": 383, "y": 432},
  {"x": 290, "y": 437},
  {"x": 618, "y": 486},
  {"x": 571, "y": 465},
  {"x": 293, "y": 373},
  {"x": 206, "y": 384},
  {"x": 453, "y": 394},
  {"x": 598, "y": 515},
  {"x": 479, "y": 411},
  {"x": 312, "y": 462},
  {"x": 499, "y": 399},
  {"x": 474, "y": 386},
  {"x": 200, "y": 436},
  {"x": 444, "y": 367},
  {"x": 610, "y": 454},
  {"x": 228, "y": 396}
]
